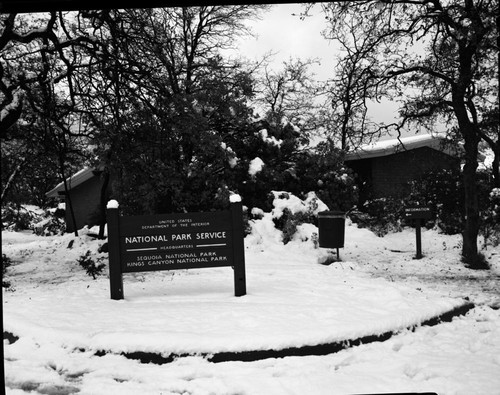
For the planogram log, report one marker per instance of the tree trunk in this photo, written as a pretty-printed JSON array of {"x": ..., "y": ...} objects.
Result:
[
  {"x": 496, "y": 169},
  {"x": 68, "y": 196},
  {"x": 471, "y": 228},
  {"x": 103, "y": 198},
  {"x": 12, "y": 178}
]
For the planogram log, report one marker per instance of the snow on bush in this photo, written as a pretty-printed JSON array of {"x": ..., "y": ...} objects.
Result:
[
  {"x": 257, "y": 212},
  {"x": 269, "y": 140},
  {"x": 232, "y": 158},
  {"x": 28, "y": 217},
  {"x": 491, "y": 220},
  {"x": 255, "y": 166},
  {"x": 285, "y": 200},
  {"x": 290, "y": 219}
]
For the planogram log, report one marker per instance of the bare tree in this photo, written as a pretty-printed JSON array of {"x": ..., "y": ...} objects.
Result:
[
  {"x": 290, "y": 93},
  {"x": 441, "y": 79}
]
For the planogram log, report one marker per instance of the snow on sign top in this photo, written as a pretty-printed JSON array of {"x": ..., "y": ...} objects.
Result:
[{"x": 112, "y": 204}]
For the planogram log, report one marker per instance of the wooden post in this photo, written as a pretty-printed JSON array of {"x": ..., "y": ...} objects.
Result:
[
  {"x": 115, "y": 270},
  {"x": 419, "y": 238},
  {"x": 240, "y": 287}
]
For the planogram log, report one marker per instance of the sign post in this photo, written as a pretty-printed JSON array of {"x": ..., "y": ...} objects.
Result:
[
  {"x": 418, "y": 213},
  {"x": 418, "y": 233},
  {"x": 175, "y": 241},
  {"x": 240, "y": 287},
  {"x": 115, "y": 272}
]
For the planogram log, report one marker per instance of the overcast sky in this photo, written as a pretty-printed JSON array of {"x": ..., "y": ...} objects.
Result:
[
  {"x": 281, "y": 32},
  {"x": 290, "y": 37}
]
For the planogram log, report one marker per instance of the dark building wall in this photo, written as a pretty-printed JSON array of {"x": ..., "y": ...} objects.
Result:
[
  {"x": 85, "y": 199},
  {"x": 391, "y": 174},
  {"x": 388, "y": 176}
]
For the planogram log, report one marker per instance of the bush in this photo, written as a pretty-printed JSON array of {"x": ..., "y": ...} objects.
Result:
[
  {"x": 6, "y": 262},
  {"x": 16, "y": 217},
  {"x": 381, "y": 216},
  {"x": 305, "y": 211},
  {"x": 50, "y": 226},
  {"x": 490, "y": 219},
  {"x": 323, "y": 172},
  {"x": 47, "y": 223},
  {"x": 288, "y": 223},
  {"x": 92, "y": 268},
  {"x": 290, "y": 167}
]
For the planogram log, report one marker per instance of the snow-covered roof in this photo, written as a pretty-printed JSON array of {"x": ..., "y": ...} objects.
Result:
[
  {"x": 76, "y": 179},
  {"x": 393, "y": 146}
]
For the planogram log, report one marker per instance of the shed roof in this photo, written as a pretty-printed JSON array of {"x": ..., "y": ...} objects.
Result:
[
  {"x": 394, "y": 146},
  {"x": 76, "y": 179}
]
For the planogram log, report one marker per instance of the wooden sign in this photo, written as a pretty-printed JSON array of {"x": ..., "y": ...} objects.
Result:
[
  {"x": 176, "y": 241},
  {"x": 418, "y": 212}
]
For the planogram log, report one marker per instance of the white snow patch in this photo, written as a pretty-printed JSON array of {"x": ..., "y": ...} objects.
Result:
[
  {"x": 256, "y": 166},
  {"x": 269, "y": 139}
]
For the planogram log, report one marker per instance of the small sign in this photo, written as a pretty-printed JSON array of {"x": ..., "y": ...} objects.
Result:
[
  {"x": 176, "y": 241},
  {"x": 418, "y": 212}
]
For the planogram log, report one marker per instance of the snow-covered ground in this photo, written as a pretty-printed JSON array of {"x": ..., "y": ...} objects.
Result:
[{"x": 69, "y": 334}]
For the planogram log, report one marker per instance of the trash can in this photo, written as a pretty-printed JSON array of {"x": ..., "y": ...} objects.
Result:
[{"x": 331, "y": 226}]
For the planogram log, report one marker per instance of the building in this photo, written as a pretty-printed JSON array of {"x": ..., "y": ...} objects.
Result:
[
  {"x": 85, "y": 192},
  {"x": 384, "y": 168}
]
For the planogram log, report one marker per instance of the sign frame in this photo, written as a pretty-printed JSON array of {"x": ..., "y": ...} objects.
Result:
[{"x": 175, "y": 241}]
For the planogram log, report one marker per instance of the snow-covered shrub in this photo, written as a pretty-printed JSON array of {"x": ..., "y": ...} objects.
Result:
[
  {"x": 16, "y": 217},
  {"x": 6, "y": 262},
  {"x": 381, "y": 216},
  {"x": 92, "y": 268},
  {"x": 257, "y": 213},
  {"x": 288, "y": 166},
  {"x": 51, "y": 224},
  {"x": 290, "y": 212},
  {"x": 491, "y": 220},
  {"x": 289, "y": 221},
  {"x": 41, "y": 222},
  {"x": 322, "y": 171}
]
